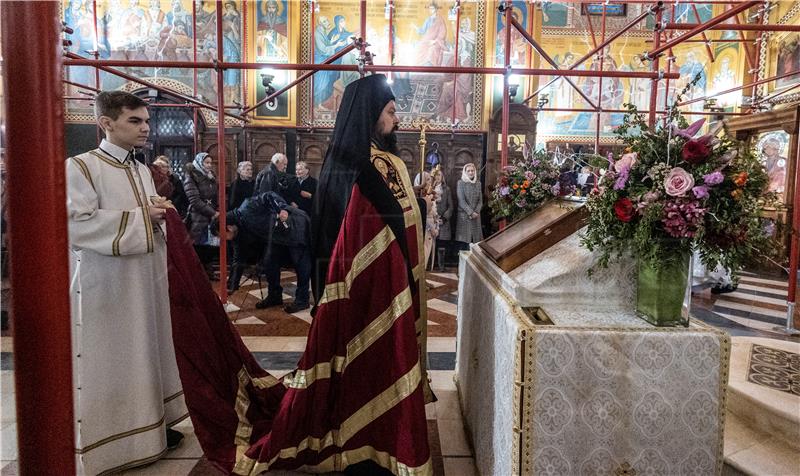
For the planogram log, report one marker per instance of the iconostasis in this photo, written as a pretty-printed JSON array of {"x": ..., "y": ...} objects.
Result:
[{"x": 424, "y": 33}]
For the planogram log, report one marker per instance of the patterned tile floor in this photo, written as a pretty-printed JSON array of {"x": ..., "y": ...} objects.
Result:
[{"x": 277, "y": 339}]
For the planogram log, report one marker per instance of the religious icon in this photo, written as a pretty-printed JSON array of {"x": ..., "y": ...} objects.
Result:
[{"x": 773, "y": 148}]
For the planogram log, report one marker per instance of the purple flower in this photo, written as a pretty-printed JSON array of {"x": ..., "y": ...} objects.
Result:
[
  {"x": 504, "y": 191},
  {"x": 701, "y": 191},
  {"x": 714, "y": 178},
  {"x": 622, "y": 179},
  {"x": 555, "y": 189},
  {"x": 529, "y": 175},
  {"x": 682, "y": 217},
  {"x": 690, "y": 131}
]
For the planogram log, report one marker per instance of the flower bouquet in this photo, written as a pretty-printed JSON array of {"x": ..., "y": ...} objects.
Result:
[
  {"x": 527, "y": 185},
  {"x": 672, "y": 193}
]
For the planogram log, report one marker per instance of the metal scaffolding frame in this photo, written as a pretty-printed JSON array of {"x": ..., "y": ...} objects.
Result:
[{"x": 35, "y": 81}]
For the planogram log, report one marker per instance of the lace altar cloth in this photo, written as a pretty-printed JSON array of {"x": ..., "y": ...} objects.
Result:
[{"x": 599, "y": 390}]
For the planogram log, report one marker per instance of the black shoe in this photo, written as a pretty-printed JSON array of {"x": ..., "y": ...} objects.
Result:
[
  {"x": 269, "y": 301},
  {"x": 728, "y": 288},
  {"x": 174, "y": 438},
  {"x": 295, "y": 307}
]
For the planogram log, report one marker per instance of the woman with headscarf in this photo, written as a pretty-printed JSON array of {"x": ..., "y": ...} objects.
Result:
[
  {"x": 444, "y": 211},
  {"x": 200, "y": 185},
  {"x": 356, "y": 403},
  {"x": 470, "y": 202}
]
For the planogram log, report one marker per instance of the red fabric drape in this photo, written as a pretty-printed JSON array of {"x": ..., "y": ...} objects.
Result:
[{"x": 358, "y": 390}]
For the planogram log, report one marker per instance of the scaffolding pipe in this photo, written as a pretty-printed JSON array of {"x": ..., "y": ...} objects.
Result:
[
  {"x": 744, "y": 86},
  {"x": 79, "y": 85},
  {"x": 37, "y": 225},
  {"x": 600, "y": 87},
  {"x": 657, "y": 7},
  {"x": 699, "y": 28},
  {"x": 81, "y": 61},
  {"x": 455, "y": 60},
  {"x": 651, "y": 118},
  {"x": 751, "y": 61},
  {"x": 625, "y": 111},
  {"x": 703, "y": 35},
  {"x": 728, "y": 26},
  {"x": 770, "y": 98},
  {"x": 299, "y": 79},
  {"x": 363, "y": 38},
  {"x": 531, "y": 41},
  {"x": 506, "y": 10},
  {"x": 346, "y": 67},
  {"x": 221, "y": 198}
]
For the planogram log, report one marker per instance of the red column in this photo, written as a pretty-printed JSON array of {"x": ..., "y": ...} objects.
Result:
[
  {"x": 37, "y": 223},
  {"x": 223, "y": 255}
]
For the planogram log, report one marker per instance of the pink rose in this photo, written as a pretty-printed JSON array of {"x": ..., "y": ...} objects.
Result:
[
  {"x": 678, "y": 182},
  {"x": 626, "y": 162}
]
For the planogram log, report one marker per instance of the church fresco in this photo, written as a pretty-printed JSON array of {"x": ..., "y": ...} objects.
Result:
[
  {"x": 156, "y": 30},
  {"x": 424, "y": 35}
]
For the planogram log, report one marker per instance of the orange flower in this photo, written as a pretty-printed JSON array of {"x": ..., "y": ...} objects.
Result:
[
  {"x": 736, "y": 194},
  {"x": 740, "y": 179},
  {"x": 515, "y": 186},
  {"x": 525, "y": 184},
  {"x": 522, "y": 192}
]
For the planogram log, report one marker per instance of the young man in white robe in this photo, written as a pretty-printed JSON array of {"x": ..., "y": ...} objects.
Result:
[{"x": 127, "y": 390}]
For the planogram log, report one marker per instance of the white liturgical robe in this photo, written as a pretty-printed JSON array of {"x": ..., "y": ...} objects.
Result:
[{"x": 127, "y": 390}]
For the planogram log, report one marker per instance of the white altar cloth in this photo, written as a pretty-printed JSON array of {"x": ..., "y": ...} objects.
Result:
[{"x": 598, "y": 390}]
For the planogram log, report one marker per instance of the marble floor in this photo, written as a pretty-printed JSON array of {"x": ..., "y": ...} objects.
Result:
[{"x": 277, "y": 339}]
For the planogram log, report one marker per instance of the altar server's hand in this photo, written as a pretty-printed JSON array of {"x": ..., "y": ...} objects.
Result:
[{"x": 157, "y": 214}]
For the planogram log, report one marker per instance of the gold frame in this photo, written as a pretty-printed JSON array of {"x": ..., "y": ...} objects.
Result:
[{"x": 252, "y": 76}]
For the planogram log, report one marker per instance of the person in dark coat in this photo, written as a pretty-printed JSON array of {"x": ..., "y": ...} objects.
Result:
[
  {"x": 273, "y": 178},
  {"x": 285, "y": 233},
  {"x": 201, "y": 190},
  {"x": 242, "y": 246},
  {"x": 243, "y": 186},
  {"x": 307, "y": 187}
]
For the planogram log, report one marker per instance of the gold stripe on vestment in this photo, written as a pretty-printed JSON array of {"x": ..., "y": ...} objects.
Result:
[
  {"x": 174, "y": 422},
  {"x": 244, "y": 429},
  {"x": 264, "y": 382},
  {"x": 123, "y": 225},
  {"x": 173, "y": 397},
  {"x": 84, "y": 170},
  {"x": 124, "y": 434},
  {"x": 133, "y": 464},
  {"x": 323, "y": 370},
  {"x": 146, "y": 205},
  {"x": 362, "y": 260},
  {"x": 379, "y": 326},
  {"x": 339, "y": 462},
  {"x": 112, "y": 162},
  {"x": 385, "y": 401},
  {"x": 358, "y": 344}
]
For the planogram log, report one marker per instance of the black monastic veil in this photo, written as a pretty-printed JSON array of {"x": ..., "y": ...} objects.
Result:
[{"x": 347, "y": 162}]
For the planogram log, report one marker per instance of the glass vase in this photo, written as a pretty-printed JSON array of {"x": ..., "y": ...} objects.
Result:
[{"x": 661, "y": 292}]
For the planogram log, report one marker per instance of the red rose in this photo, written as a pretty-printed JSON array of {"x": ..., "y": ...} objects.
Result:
[
  {"x": 623, "y": 209},
  {"x": 695, "y": 151}
]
